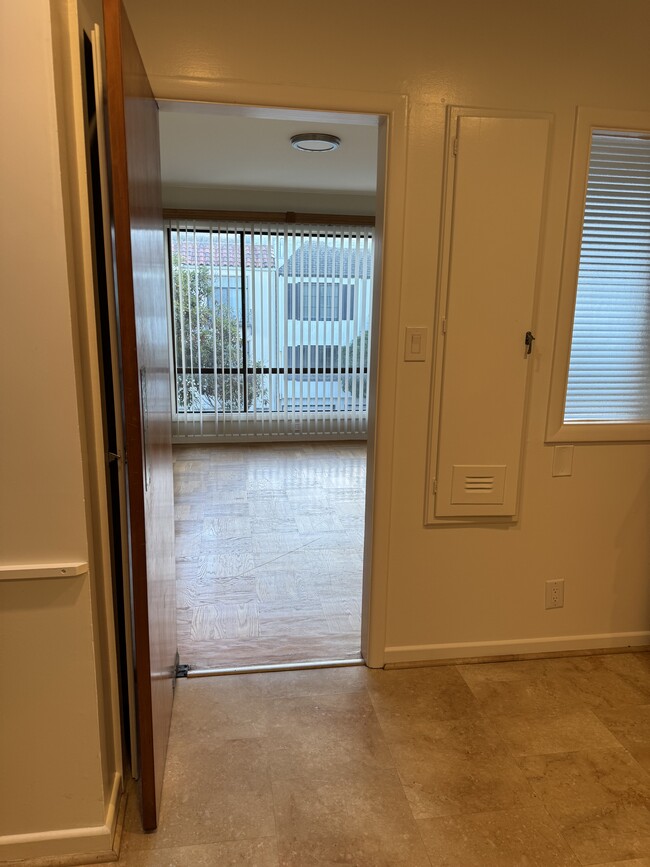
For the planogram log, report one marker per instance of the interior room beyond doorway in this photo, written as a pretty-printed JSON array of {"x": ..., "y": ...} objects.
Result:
[
  {"x": 269, "y": 547},
  {"x": 272, "y": 287}
]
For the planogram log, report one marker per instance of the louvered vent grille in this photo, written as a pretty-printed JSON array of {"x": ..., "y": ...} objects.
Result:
[
  {"x": 472, "y": 484},
  {"x": 479, "y": 483}
]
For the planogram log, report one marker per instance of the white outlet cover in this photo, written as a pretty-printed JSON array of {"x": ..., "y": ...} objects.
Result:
[{"x": 554, "y": 593}]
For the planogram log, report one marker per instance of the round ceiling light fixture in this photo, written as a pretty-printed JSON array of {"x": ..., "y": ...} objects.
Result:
[{"x": 315, "y": 142}]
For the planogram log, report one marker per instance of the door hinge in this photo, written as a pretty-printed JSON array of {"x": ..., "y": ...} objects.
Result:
[
  {"x": 444, "y": 326},
  {"x": 454, "y": 147},
  {"x": 435, "y": 486}
]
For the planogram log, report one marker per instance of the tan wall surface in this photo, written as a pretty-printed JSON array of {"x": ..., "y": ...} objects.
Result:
[
  {"x": 41, "y": 497},
  {"x": 449, "y": 585},
  {"x": 50, "y": 762}
]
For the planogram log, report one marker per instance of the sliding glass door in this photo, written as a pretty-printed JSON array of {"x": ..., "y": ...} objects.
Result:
[{"x": 271, "y": 328}]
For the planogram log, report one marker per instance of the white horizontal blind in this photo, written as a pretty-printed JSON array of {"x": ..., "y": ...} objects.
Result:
[
  {"x": 271, "y": 329},
  {"x": 609, "y": 370}
]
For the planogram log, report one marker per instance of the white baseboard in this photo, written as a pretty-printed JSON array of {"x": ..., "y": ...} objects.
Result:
[
  {"x": 66, "y": 846},
  {"x": 180, "y": 439},
  {"x": 515, "y": 646}
]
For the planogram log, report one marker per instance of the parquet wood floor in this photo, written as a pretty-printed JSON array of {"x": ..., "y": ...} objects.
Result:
[{"x": 269, "y": 552}]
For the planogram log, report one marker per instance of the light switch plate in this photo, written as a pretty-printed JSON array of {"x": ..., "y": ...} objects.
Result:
[
  {"x": 415, "y": 344},
  {"x": 562, "y": 460}
]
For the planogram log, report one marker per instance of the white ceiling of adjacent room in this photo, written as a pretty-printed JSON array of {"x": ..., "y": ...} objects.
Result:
[{"x": 213, "y": 150}]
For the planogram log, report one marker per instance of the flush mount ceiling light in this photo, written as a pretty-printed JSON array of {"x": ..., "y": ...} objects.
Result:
[{"x": 315, "y": 142}]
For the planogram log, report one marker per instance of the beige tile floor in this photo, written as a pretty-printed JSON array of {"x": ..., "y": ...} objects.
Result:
[
  {"x": 269, "y": 552},
  {"x": 539, "y": 763}
]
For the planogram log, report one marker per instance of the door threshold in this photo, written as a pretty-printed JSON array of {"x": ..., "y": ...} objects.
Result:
[{"x": 281, "y": 666}]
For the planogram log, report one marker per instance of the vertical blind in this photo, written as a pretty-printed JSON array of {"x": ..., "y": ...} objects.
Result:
[
  {"x": 609, "y": 369},
  {"x": 271, "y": 328}
]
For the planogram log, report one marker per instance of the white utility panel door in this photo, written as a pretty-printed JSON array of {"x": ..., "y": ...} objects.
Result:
[{"x": 498, "y": 190}]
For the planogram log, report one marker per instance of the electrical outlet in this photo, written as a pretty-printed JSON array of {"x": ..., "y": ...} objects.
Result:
[{"x": 554, "y": 596}]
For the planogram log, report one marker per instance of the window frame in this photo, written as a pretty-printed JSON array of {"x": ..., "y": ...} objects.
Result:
[
  {"x": 306, "y": 373},
  {"x": 557, "y": 429}
]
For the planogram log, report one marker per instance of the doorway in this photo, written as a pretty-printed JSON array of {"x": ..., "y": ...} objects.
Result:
[{"x": 271, "y": 294}]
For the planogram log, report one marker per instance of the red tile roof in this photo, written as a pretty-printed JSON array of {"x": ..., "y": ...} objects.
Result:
[{"x": 195, "y": 250}]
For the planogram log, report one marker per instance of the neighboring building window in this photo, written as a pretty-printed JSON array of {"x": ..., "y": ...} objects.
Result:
[
  {"x": 227, "y": 295},
  {"x": 609, "y": 365},
  {"x": 308, "y": 357},
  {"x": 319, "y": 302}
]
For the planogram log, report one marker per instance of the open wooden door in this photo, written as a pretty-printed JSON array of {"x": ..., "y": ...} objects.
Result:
[{"x": 139, "y": 254}]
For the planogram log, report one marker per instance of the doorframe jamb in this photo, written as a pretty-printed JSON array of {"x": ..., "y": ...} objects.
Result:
[{"x": 392, "y": 111}]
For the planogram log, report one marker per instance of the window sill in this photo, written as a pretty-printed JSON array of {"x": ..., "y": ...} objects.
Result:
[{"x": 599, "y": 432}]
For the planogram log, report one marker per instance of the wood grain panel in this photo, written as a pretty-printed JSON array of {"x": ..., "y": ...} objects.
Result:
[{"x": 142, "y": 305}]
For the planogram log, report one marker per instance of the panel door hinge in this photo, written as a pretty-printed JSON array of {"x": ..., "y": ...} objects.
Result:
[
  {"x": 454, "y": 147},
  {"x": 444, "y": 326},
  {"x": 435, "y": 486}
]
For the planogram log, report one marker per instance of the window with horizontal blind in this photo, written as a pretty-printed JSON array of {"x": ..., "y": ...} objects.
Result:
[
  {"x": 609, "y": 366},
  {"x": 600, "y": 383}
]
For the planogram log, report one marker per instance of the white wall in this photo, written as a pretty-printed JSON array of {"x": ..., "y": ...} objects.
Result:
[
  {"x": 53, "y": 745},
  {"x": 478, "y": 587},
  {"x": 231, "y": 199}
]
